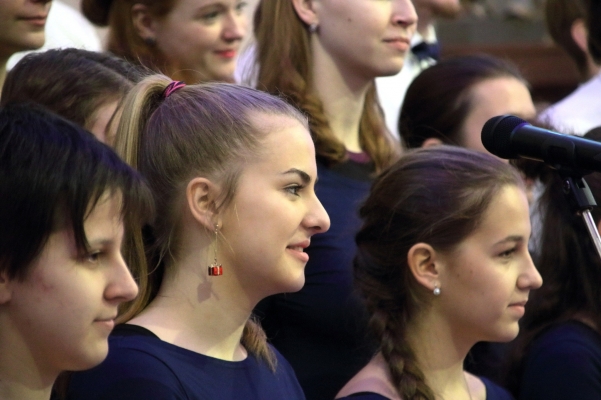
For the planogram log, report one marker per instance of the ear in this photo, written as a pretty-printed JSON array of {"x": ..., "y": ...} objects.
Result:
[
  {"x": 580, "y": 34},
  {"x": 5, "y": 288},
  {"x": 201, "y": 195},
  {"x": 143, "y": 21},
  {"x": 430, "y": 142},
  {"x": 422, "y": 260},
  {"x": 304, "y": 10}
]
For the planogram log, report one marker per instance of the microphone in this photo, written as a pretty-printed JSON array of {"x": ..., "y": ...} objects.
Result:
[{"x": 508, "y": 136}]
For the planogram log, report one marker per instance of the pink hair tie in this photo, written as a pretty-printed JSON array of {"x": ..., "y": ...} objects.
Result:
[{"x": 172, "y": 87}]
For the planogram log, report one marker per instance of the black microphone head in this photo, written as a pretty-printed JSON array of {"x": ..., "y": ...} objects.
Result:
[{"x": 496, "y": 135}]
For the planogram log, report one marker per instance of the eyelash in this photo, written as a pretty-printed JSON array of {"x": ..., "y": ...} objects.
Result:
[
  {"x": 93, "y": 257},
  {"x": 507, "y": 253},
  {"x": 294, "y": 189}
]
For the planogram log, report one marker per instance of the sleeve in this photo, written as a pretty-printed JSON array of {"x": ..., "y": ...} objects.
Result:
[
  {"x": 561, "y": 370},
  {"x": 130, "y": 375}
]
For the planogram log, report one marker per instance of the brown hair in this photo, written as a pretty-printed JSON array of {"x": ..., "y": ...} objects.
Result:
[
  {"x": 439, "y": 196},
  {"x": 73, "y": 83},
  {"x": 284, "y": 62},
  {"x": 123, "y": 40},
  {"x": 560, "y": 15},
  {"x": 201, "y": 130},
  {"x": 439, "y": 100}
]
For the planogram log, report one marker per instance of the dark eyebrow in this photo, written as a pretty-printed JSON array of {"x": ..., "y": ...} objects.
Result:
[
  {"x": 516, "y": 238},
  {"x": 302, "y": 174}
]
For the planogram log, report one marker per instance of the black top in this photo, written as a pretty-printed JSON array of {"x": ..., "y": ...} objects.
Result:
[
  {"x": 564, "y": 362},
  {"x": 322, "y": 329},
  {"x": 140, "y": 366}
]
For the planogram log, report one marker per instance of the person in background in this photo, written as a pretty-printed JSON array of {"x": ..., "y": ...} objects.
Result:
[
  {"x": 78, "y": 32},
  {"x": 580, "y": 111},
  {"x": 64, "y": 200},
  {"x": 425, "y": 52},
  {"x": 450, "y": 102},
  {"x": 189, "y": 40},
  {"x": 558, "y": 352},
  {"x": 22, "y": 25},
  {"x": 232, "y": 170},
  {"x": 323, "y": 57},
  {"x": 82, "y": 86},
  {"x": 442, "y": 263}
]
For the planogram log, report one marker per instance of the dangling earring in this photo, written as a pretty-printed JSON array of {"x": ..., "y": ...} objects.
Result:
[
  {"x": 215, "y": 269},
  {"x": 313, "y": 27},
  {"x": 436, "y": 290}
]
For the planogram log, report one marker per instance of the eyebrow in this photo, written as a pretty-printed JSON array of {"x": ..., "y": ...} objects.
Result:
[
  {"x": 302, "y": 174},
  {"x": 515, "y": 238}
]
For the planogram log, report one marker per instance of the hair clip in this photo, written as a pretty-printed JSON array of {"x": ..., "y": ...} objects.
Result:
[{"x": 172, "y": 87}]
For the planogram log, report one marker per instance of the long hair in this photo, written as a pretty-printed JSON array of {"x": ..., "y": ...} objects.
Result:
[
  {"x": 569, "y": 265},
  {"x": 122, "y": 39},
  {"x": 52, "y": 174},
  {"x": 284, "y": 62},
  {"x": 560, "y": 15},
  {"x": 439, "y": 100},
  {"x": 198, "y": 130},
  {"x": 437, "y": 196}
]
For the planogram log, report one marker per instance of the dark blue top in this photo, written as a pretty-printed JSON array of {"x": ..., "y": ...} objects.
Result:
[
  {"x": 322, "y": 329},
  {"x": 493, "y": 392},
  {"x": 140, "y": 366},
  {"x": 564, "y": 362}
]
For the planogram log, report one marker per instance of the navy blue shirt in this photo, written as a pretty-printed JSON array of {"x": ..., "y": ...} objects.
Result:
[
  {"x": 140, "y": 366},
  {"x": 564, "y": 362},
  {"x": 322, "y": 329}
]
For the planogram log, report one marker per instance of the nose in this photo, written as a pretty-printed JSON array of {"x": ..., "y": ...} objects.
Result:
[
  {"x": 403, "y": 13},
  {"x": 235, "y": 26},
  {"x": 317, "y": 219},
  {"x": 530, "y": 278},
  {"x": 121, "y": 286}
]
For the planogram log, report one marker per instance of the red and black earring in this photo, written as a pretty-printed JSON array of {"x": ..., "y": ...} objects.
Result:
[{"x": 215, "y": 269}]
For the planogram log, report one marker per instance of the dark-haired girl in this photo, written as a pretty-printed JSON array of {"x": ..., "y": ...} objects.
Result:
[{"x": 442, "y": 263}]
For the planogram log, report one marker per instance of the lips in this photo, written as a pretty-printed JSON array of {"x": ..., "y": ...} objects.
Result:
[
  {"x": 398, "y": 43},
  {"x": 229, "y": 53},
  {"x": 297, "y": 250},
  {"x": 37, "y": 20}
]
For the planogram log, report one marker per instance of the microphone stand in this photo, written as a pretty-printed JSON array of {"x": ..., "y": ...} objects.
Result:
[{"x": 580, "y": 197}]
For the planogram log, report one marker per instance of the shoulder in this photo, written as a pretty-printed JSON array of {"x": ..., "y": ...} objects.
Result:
[
  {"x": 564, "y": 360},
  {"x": 137, "y": 367},
  {"x": 492, "y": 391}
]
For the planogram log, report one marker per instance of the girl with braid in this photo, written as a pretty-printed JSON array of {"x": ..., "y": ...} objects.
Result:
[
  {"x": 442, "y": 263},
  {"x": 232, "y": 170}
]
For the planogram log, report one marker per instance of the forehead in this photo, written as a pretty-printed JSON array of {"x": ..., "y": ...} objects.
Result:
[
  {"x": 502, "y": 95},
  {"x": 506, "y": 216}
]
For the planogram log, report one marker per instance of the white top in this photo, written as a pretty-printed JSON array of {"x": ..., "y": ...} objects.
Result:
[
  {"x": 391, "y": 89},
  {"x": 579, "y": 112},
  {"x": 65, "y": 27}
]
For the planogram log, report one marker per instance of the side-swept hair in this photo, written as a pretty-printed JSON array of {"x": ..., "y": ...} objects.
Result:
[
  {"x": 439, "y": 99},
  {"x": 438, "y": 196},
  {"x": 198, "y": 130},
  {"x": 284, "y": 68},
  {"x": 52, "y": 174},
  {"x": 73, "y": 83}
]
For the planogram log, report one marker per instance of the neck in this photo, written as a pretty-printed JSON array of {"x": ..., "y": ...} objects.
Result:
[
  {"x": 440, "y": 355},
  {"x": 342, "y": 92},
  {"x": 200, "y": 313},
  {"x": 21, "y": 377}
]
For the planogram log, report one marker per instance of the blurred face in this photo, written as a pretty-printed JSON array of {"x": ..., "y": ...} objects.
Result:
[
  {"x": 364, "y": 38},
  {"x": 487, "y": 279},
  {"x": 274, "y": 212},
  {"x": 493, "y": 97},
  {"x": 65, "y": 309},
  {"x": 22, "y": 25},
  {"x": 202, "y": 38}
]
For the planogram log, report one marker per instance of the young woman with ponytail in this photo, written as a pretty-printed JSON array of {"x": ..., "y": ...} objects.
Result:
[
  {"x": 232, "y": 171},
  {"x": 442, "y": 263}
]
